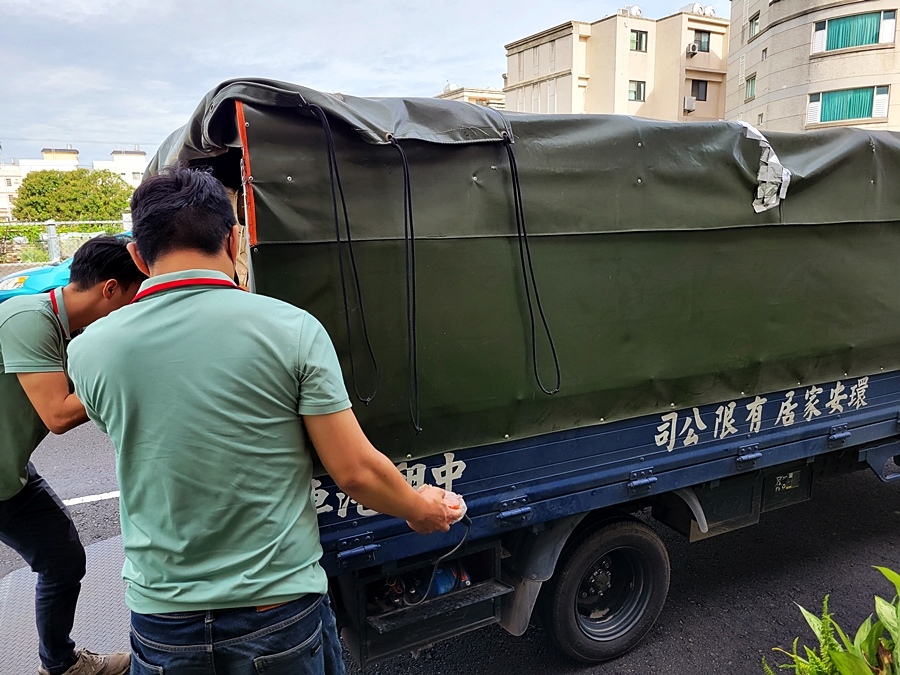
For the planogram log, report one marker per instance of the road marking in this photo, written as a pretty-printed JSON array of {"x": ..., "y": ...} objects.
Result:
[{"x": 91, "y": 498}]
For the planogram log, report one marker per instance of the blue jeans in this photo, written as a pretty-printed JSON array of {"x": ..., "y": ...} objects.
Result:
[
  {"x": 297, "y": 638},
  {"x": 35, "y": 524}
]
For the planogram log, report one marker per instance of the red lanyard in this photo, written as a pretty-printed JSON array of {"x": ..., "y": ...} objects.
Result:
[
  {"x": 55, "y": 306},
  {"x": 182, "y": 283}
]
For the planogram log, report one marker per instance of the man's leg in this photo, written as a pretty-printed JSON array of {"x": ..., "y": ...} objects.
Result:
[{"x": 36, "y": 525}]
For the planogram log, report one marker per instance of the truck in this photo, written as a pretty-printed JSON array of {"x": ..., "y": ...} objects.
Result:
[{"x": 580, "y": 323}]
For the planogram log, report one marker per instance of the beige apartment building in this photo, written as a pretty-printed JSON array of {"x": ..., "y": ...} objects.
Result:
[
  {"x": 798, "y": 65},
  {"x": 669, "y": 69},
  {"x": 486, "y": 96}
]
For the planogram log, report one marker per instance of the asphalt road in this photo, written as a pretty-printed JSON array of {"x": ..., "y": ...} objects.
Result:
[{"x": 731, "y": 600}]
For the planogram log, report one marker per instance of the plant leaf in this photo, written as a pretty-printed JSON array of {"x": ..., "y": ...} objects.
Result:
[
  {"x": 814, "y": 622},
  {"x": 863, "y": 633},
  {"x": 888, "y": 615},
  {"x": 850, "y": 664},
  {"x": 892, "y": 576}
]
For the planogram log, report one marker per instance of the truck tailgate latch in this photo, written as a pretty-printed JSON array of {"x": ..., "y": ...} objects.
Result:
[
  {"x": 747, "y": 456},
  {"x": 641, "y": 481}
]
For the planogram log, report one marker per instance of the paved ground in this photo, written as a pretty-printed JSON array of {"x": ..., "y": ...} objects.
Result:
[{"x": 732, "y": 597}]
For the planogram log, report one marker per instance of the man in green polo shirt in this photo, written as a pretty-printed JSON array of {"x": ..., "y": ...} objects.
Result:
[
  {"x": 36, "y": 399},
  {"x": 205, "y": 391}
]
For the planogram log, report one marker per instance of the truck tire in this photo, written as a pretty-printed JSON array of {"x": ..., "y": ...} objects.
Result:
[{"x": 606, "y": 592}]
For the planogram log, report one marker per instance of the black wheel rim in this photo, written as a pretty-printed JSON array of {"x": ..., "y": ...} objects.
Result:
[{"x": 613, "y": 594}]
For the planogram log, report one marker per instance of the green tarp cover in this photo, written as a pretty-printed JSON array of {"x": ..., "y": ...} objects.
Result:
[{"x": 659, "y": 282}]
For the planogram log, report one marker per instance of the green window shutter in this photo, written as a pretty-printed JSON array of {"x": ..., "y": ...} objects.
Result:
[
  {"x": 853, "y": 31},
  {"x": 847, "y": 104}
]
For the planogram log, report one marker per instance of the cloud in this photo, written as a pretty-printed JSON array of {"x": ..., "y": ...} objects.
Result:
[
  {"x": 131, "y": 71},
  {"x": 81, "y": 11}
]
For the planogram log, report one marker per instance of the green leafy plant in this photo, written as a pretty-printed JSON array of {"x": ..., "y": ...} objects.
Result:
[{"x": 874, "y": 650}]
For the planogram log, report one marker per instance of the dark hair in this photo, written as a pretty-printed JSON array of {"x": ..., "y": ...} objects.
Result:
[
  {"x": 101, "y": 259},
  {"x": 180, "y": 208}
]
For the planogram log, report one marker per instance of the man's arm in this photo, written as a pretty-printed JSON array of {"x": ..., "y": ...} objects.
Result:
[
  {"x": 49, "y": 394},
  {"x": 370, "y": 478}
]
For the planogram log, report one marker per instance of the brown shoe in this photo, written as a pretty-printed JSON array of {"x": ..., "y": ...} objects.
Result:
[{"x": 89, "y": 663}]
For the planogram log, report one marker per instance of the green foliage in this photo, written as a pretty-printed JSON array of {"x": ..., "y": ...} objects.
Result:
[
  {"x": 34, "y": 254},
  {"x": 874, "y": 650},
  {"x": 81, "y": 194}
]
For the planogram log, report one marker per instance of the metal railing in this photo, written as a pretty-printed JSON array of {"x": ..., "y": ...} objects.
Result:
[{"x": 26, "y": 245}]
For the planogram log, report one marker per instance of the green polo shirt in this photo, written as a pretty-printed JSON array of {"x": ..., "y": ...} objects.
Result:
[
  {"x": 31, "y": 341},
  {"x": 201, "y": 390}
]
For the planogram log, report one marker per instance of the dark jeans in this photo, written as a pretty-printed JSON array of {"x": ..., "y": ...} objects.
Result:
[
  {"x": 35, "y": 524},
  {"x": 297, "y": 638}
]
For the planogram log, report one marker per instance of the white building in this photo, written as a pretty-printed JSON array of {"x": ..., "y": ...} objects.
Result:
[
  {"x": 129, "y": 164},
  {"x": 798, "y": 65},
  {"x": 12, "y": 173},
  {"x": 486, "y": 96},
  {"x": 671, "y": 68}
]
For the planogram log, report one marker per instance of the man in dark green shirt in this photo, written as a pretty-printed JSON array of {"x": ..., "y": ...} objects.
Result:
[{"x": 36, "y": 399}]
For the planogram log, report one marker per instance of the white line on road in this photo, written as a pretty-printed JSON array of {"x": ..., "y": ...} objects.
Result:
[{"x": 91, "y": 498}]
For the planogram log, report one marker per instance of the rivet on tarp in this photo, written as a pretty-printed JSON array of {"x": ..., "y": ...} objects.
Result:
[{"x": 773, "y": 177}]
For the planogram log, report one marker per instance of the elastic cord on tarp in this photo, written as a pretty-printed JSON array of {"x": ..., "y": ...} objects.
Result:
[
  {"x": 528, "y": 275},
  {"x": 337, "y": 190},
  {"x": 409, "y": 235}
]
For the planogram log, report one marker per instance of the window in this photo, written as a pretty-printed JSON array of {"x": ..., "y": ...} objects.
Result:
[
  {"x": 701, "y": 39},
  {"x": 638, "y": 40},
  {"x": 536, "y": 98},
  {"x": 859, "y": 30},
  {"x": 753, "y": 27},
  {"x": 535, "y": 60},
  {"x": 764, "y": 54},
  {"x": 637, "y": 90},
  {"x": 9, "y": 182},
  {"x": 135, "y": 175},
  {"x": 750, "y": 87},
  {"x": 520, "y": 100},
  {"x": 848, "y": 104},
  {"x": 521, "y": 66},
  {"x": 759, "y": 119},
  {"x": 552, "y": 55},
  {"x": 698, "y": 89},
  {"x": 551, "y": 96}
]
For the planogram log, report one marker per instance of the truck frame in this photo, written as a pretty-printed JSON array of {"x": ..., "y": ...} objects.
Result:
[{"x": 736, "y": 405}]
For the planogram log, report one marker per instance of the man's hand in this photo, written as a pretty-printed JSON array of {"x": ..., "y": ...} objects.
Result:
[
  {"x": 436, "y": 514},
  {"x": 371, "y": 478}
]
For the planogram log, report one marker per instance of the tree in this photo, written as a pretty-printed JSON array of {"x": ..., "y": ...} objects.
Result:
[{"x": 81, "y": 194}]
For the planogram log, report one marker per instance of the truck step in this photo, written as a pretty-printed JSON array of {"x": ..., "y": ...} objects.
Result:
[{"x": 439, "y": 606}]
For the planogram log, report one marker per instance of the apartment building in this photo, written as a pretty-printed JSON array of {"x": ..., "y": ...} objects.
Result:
[
  {"x": 798, "y": 65},
  {"x": 669, "y": 69},
  {"x": 486, "y": 96},
  {"x": 128, "y": 164}
]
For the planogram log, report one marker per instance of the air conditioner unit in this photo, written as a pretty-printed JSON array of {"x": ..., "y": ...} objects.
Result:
[
  {"x": 692, "y": 49},
  {"x": 690, "y": 104}
]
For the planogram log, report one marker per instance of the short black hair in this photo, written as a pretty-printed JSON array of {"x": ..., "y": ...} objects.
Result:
[
  {"x": 180, "y": 208},
  {"x": 101, "y": 259}
]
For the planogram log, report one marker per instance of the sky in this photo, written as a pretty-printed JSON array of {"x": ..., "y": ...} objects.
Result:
[{"x": 104, "y": 75}]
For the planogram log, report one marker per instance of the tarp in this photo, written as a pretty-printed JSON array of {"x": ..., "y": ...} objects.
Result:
[{"x": 645, "y": 265}]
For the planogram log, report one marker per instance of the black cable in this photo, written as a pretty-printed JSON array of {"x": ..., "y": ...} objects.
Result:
[
  {"x": 412, "y": 330},
  {"x": 468, "y": 523},
  {"x": 335, "y": 176},
  {"x": 528, "y": 270}
]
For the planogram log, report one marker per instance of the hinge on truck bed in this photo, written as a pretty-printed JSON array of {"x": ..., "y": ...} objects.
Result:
[
  {"x": 838, "y": 436},
  {"x": 747, "y": 456},
  {"x": 641, "y": 481},
  {"x": 355, "y": 547}
]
